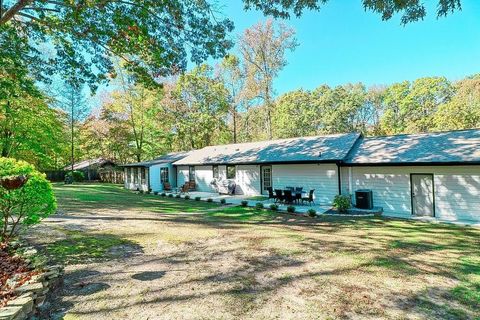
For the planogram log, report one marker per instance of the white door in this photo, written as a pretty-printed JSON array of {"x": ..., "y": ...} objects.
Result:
[
  {"x": 266, "y": 172},
  {"x": 422, "y": 195}
]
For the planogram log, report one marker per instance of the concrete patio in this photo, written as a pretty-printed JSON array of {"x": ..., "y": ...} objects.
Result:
[{"x": 253, "y": 200}]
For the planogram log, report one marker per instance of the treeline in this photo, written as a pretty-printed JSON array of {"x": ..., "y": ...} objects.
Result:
[{"x": 232, "y": 101}]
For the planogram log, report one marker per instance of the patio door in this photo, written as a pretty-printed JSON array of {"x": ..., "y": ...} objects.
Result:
[
  {"x": 423, "y": 198},
  {"x": 266, "y": 178}
]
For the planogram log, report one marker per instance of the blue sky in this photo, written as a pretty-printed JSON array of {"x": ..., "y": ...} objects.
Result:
[{"x": 342, "y": 43}]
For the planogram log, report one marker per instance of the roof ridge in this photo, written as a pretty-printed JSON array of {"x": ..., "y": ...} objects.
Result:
[{"x": 421, "y": 133}]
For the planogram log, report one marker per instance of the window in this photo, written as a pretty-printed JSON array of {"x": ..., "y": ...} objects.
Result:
[
  {"x": 127, "y": 175},
  {"x": 163, "y": 175},
  {"x": 231, "y": 172},
  {"x": 215, "y": 172},
  {"x": 191, "y": 174},
  {"x": 142, "y": 170},
  {"x": 135, "y": 175}
]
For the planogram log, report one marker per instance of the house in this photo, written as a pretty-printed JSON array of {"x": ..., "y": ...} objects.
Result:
[
  {"x": 151, "y": 175},
  {"x": 90, "y": 167},
  {"x": 431, "y": 174},
  {"x": 308, "y": 162}
]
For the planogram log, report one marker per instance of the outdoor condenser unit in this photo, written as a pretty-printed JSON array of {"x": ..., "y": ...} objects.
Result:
[{"x": 364, "y": 199}]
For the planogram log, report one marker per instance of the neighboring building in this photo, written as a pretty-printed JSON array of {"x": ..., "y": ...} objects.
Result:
[
  {"x": 90, "y": 167},
  {"x": 431, "y": 174},
  {"x": 151, "y": 175}
]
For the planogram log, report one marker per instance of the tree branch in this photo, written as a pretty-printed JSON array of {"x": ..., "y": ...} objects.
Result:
[{"x": 10, "y": 13}]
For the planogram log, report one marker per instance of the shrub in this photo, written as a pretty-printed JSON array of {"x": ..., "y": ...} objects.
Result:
[
  {"x": 342, "y": 203},
  {"x": 163, "y": 194},
  {"x": 177, "y": 195},
  {"x": 187, "y": 197},
  {"x": 78, "y": 176},
  {"x": 291, "y": 209},
  {"x": 140, "y": 191},
  {"x": 223, "y": 201},
  {"x": 197, "y": 198},
  {"x": 155, "y": 192},
  {"x": 209, "y": 200},
  {"x": 148, "y": 192},
  {"x": 26, "y": 205},
  {"x": 244, "y": 203},
  {"x": 312, "y": 213},
  {"x": 259, "y": 206},
  {"x": 273, "y": 207},
  {"x": 170, "y": 195}
]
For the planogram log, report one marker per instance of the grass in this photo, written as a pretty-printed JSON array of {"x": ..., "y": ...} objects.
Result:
[{"x": 235, "y": 262}]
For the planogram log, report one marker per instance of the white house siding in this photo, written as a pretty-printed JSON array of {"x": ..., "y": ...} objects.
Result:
[
  {"x": 182, "y": 175},
  {"x": 130, "y": 179},
  {"x": 247, "y": 179},
  {"x": 457, "y": 189},
  {"x": 321, "y": 177},
  {"x": 203, "y": 178}
]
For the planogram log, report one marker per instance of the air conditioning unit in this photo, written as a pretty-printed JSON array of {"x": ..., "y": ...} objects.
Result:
[{"x": 364, "y": 199}]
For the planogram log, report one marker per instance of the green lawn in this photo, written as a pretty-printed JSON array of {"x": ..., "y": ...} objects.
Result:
[{"x": 232, "y": 262}]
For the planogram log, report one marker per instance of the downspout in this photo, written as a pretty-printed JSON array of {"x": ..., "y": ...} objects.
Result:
[{"x": 339, "y": 178}]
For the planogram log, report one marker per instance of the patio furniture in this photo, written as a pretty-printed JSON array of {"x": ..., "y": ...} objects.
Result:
[
  {"x": 271, "y": 195},
  {"x": 289, "y": 188},
  {"x": 298, "y": 197},
  {"x": 185, "y": 188},
  {"x": 298, "y": 189},
  {"x": 278, "y": 195},
  {"x": 288, "y": 197},
  {"x": 309, "y": 199},
  {"x": 167, "y": 186}
]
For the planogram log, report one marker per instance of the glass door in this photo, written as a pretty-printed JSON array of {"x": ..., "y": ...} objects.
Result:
[{"x": 266, "y": 177}]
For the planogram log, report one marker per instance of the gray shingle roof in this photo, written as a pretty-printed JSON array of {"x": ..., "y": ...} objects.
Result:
[
  {"x": 87, "y": 163},
  {"x": 439, "y": 147},
  {"x": 327, "y": 148},
  {"x": 168, "y": 158}
]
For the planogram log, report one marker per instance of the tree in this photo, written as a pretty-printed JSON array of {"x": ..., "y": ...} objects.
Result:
[
  {"x": 29, "y": 129},
  {"x": 199, "y": 104},
  {"x": 24, "y": 206},
  {"x": 71, "y": 100},
  {"x": 263, "y": 48},
  {"x": 410, "y": 10},
  {"x": 154, "y": 38},
  {"x": 463, "y": 110},
  {"x": 232, "y": 75}
]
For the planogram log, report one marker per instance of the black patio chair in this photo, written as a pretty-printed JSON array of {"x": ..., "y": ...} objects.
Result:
[
  {"x": 271, "y": 195},
  {"x": 289, "y": 188},
  {"x": 278, "y": 195},
  {"x": 298, "y": 197},
  {"x": 288, "y": 197},
  {"x": 299, "y": 189},
  {"x": 309, "y": 198}
]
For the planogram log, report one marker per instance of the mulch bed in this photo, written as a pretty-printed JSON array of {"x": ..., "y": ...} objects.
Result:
[{"x": 12, "y": 267}]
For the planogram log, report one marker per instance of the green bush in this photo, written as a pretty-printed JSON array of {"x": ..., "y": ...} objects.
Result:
[
  {"x": 244, "y": 203},
  {"x": 291, "y": 209},
  {"x": 155, "y": 192},
  {"x": 197, "y": 198},
  {"x": 24, "y": 206},
  {"x": 209, "y": 200},
  {"x": 163, "y": 194},
  {"x": 223, "y": 201},
  {"x": 312, "y": 213},
  {"x": 273, "y": 207},
  {"x": 170, "y": 195},
  {"x": 177, "y": 196},
  {"x": 78, "y": 176},
  {"x": 140, "y": 191},
  {"x": 259, "y": 206},
  {"x": 342, "y": 203},
  {"x": 187, "y": 197}
]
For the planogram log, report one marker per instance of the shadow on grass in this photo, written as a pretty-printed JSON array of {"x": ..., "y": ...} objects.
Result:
[{"x": 82, "y": 247}]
